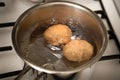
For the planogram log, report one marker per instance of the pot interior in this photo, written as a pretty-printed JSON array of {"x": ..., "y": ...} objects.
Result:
[{"x": 30, "y": 44}]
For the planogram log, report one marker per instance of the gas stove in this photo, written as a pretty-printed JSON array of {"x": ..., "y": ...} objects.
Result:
[{"x": 107, "y": 68}]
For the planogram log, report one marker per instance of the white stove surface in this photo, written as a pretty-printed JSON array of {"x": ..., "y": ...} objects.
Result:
[{"x": 10, "y": 61}]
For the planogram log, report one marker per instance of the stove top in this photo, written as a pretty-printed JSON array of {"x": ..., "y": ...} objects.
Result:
[{"x": 105, "y": 69}]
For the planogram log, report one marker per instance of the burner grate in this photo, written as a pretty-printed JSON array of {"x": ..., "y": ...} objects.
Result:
[
  {"x": 9, "y": 74},
  {"x": 110, "y": 26},
  {"x": 9, "y": 24},
  {"x": 2, "y": 4},
  {"x": 5, "y": 48}
]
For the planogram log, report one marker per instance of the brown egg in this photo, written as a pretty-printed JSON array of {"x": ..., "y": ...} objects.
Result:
[
  {"x": 78, "y": 50},
  {"x": 58, "y": 34}
]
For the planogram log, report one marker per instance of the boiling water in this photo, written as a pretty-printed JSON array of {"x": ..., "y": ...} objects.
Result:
[{"x": 37, "y": 51}]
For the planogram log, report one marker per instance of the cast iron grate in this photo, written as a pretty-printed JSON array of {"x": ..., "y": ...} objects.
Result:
[{"x": 2, "y": 4}]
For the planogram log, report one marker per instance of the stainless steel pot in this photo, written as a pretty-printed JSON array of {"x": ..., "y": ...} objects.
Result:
[{"x": 28, "y": 41}]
